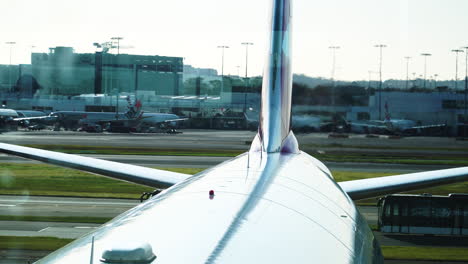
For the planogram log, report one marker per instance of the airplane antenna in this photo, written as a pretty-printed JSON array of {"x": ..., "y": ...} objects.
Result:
[{"x": 92, "y": 251}]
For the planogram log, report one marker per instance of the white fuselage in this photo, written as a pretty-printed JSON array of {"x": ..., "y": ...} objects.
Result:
[{"x": 266, "y": 208}]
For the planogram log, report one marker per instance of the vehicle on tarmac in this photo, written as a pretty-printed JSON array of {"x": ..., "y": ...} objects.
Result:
[{"x": 424, "y": 214}]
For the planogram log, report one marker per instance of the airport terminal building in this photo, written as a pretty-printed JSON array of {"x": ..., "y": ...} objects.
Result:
[{"x": 64, "y": 72}]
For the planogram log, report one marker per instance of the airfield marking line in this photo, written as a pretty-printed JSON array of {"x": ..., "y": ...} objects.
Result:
[
  {"x": 84, "y": 227},
  {"x": 72, "y": 202},
  {"x": 8, "y": 205},
  {"x": 44, "y": 229}
]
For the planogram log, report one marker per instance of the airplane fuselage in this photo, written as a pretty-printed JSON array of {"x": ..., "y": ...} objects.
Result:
[{"x": 286, "y": 206}]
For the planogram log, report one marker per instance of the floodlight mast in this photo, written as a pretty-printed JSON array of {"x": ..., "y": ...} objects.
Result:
[
  {"x": 380, "y": 46},
  {"x": 333, "y": 48},
  {"x": 246, "y": 55},
  {"x": 456, "y": 66},
  {"x": 466, "y": 88},
  {"x": 407, "y": 70},
  {"x": 222, "y": 67},
  {"x": 11, "y": 43},
  {"x": 118, "y": 43},
  {"x": 425, "y": 67},
  {"x": 222, "y": 58}
]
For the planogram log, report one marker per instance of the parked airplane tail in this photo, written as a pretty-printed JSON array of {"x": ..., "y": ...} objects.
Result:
[
  {"x": 275, "y": 117},
  {"x": 387, "y": 120},
  {"x": 134, "y": 110},
  {"x": 387, "y": 113}
]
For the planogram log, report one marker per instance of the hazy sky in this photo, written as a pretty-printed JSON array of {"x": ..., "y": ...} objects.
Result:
[{"x": 194, "y": 28}]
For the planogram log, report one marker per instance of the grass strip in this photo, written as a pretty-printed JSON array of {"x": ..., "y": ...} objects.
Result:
[
  {"x": 67, "y": 219},
  {"x": 33, "y": 243},
  {"x": 43, "y": 179},
  {"x": 459, "y": 160},
  {"x": 344, "y": 146},
  {"x": 425, "y": 253}
]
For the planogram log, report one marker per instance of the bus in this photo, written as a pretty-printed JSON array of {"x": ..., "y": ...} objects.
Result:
[{"x": 424, "y": 214}]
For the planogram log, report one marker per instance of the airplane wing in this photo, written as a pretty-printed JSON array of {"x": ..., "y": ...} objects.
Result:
[
  {"x": 368, "y": 128},
  {"x": 136, "y": 174},
  {"x": 175, "y": 120},
  {"x": 430, "y": 126},
  {"x": 367, "y": 188},
  {"x": 32, "y": 118}
]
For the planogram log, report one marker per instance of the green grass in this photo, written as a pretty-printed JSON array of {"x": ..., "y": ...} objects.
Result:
[
  {"x": 341, "y": 146},
  {"x": 63, "y": 219},
  {"x": 42, "y": 179},
  {"x": 32, "y": 243},
  {"x": 425, "y": 253},
  {"x": 460, "y": 160}
]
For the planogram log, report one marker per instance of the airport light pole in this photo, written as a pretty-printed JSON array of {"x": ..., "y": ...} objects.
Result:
[
  {"x": 118, "y": 43},
  {"x": 333, "y": 48},
  {"x": 32, "y": 49},
  {"x": 466, "y": 89},
  {"x": 368, "y": 83},
  {"x": 435, "y": 80},
  {"x": 222, "y": 66},
  {"x": 425, "y": 64},
  {"x": 222, "y": 58},
  {"x": 380, "y": 46},
  {"x": 456, "y": 66},
  {"x": 11, "y": 43},
  {"x": 246, "y": 44},
  {"x": 407, "y": 69},
  {"x": 370, "y": 80}
]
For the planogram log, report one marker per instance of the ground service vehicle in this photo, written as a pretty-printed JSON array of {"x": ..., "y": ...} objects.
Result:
[{"x": 424, "y": 214}]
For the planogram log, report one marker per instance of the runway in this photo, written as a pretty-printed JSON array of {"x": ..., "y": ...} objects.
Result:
[
  {"x": 206, "y": 162},
  {"x": 238, "y": 140}
]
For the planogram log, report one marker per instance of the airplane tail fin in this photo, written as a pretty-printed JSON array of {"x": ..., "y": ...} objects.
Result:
[
  {"x": 275, "y": 133},
  {"x": 134, "y": 110},
  {"x": 387, "y": 113}
]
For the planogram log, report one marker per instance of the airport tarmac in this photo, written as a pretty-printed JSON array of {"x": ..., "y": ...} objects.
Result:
[
  {"x": 196, "y": 139},
  {"x": 237, "y": 140},
  {"x": 206, "y": 162}
]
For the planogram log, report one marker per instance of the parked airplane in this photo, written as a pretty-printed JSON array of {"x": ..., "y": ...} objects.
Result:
[
  {"x": 7, "y": 120},
  {"x": 395, "y": 126},
  {"x": 273, "y": 204},
  {"x": 134, "y": 120}
]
